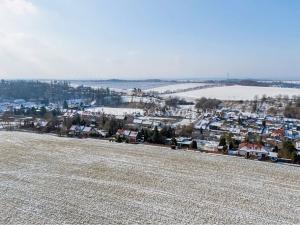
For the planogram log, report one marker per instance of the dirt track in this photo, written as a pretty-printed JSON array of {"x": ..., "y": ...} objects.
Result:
[{"x": 46, "y": 179}]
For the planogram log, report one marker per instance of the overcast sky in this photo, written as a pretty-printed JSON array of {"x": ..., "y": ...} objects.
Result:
[{"x": 136, "y": 39}]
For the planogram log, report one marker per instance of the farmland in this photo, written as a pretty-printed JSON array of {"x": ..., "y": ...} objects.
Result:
[
  {"x": 236, "y": 92},
  {"x": 116, "y": 111},
  {"x": 177, "y": 87},
  {"x": 46, "y": 179}
]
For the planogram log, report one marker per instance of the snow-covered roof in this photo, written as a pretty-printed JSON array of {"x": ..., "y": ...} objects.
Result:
[
  {"x": 147, "y": 122},
  {"x": 120, "y": 117},
  {"x": 273, "y": 154},
  {"x": 216, "y": 124},
  {"x": 133, "y": 134},
  {"x": 87, "y": 129},
  {"x": 126, "y": 132},
  {"x": 102, "y": 132},
  {"x": 73, "y": 128},
  {"x": 137, "y": 121}
]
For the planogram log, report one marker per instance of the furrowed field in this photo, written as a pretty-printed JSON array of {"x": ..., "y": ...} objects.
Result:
[{"x": 47, "y": 179}]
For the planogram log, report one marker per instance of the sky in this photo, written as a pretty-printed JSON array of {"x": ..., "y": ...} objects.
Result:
[{"x": 144, "y": 39}]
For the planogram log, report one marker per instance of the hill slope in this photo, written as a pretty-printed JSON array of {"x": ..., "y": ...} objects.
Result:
[{"x": 46, "y": 179}]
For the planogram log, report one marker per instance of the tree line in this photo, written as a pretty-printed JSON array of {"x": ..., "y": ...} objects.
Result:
[{"x": 55, "y": 92}]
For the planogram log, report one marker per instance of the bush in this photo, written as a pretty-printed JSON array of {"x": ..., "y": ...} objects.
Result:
[
  {"x": 207, "y": 103},
  {"x": 294, "y": 156},
  {"x": 193, "y": 145},
  {"x": 288, "y": 150},
  {"x": 292, "y": 112}
]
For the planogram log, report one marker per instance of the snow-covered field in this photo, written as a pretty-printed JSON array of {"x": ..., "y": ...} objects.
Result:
[
  {"x": 176, "y": 87},
  {"x": 283, "y": 81},
  {"x": 138, "y": 99},
  {"x": 116, "y": 111},
  {"x": 236, "y": 92},
  {"x": 50, "y": 180}
]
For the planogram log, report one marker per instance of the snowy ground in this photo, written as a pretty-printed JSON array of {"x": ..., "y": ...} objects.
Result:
[
  {"x": 236, "y": 92},
  {"x": 46, "y": 179},
  {"x": 283, "y": 81},
  {"x": 176, "y": 87},
  {"x": 116, "y": 111},
  {"x": 137, "y": 99}
]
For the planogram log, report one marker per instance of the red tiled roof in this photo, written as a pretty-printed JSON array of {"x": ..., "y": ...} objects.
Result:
[
  {"x": 249, "y": 145},
  {"x": 279, "y": 132}
]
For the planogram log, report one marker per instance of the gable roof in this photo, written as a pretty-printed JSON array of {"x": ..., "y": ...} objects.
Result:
[
  {"x": 250, "y": 146},
  {"x": 87, "y": 129},
  {"x": 126, "y": 132},
  {"x": 133, "y": 134}
]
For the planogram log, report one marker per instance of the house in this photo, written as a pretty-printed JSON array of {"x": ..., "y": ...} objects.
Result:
[
  {"x": 157, "y": 124},
  {"x": 27, "y": 122},
  {"x": 120, "y": 117},
  {"x": 147, "y": 123},
  {"x": 123, "y": 133},
  {"x": 86, "y": 131},
  {"x": 75, "y": 130},
  {"x": 298, "y": 145},
  {"x": 126, "y": 134},
  {"x": 252, "y": 150},
  {"x": 202, "y": 124},
  {"x": 207, "y": 145},
  {"x": 120, "y": 133},
  {"x": 215, "y": 125},
  {"x": 98, "y": 133},
  {"x": 133, "y": 137},
  {"x": 278, "y": 134},
  {"x": 273, "y": 156},
  {"x": 137, "y": 122},
  {"x": 184, "y": 142},
  {"x": 72, "y": 130},
  {"x": 41, "y": 125}
]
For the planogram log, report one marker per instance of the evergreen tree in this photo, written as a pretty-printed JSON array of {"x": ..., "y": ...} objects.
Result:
[
  {"x": 287, "y": 150},
  {"x": 156, "y": 136},
  {"x": 194, "y": 145},
  {"x": 43, "y": 111},
  {"x": 222, "y": 141},
  {"x": 65, "y": 105}
]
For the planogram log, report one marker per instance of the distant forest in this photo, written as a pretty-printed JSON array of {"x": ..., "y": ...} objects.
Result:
[
  {"x": 253, "y": 82},
  {"x": 55, "y": 92}
]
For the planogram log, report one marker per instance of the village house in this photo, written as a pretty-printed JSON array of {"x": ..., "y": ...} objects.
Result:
[
  {"x": 86, "y": 131},
  {"x": 27, "y": 122},
  {"x": 129, "y": 136},
  {"x": 252, "y": 150},
  {"x": 184, "y": 142},
  {"x": 215, "y": 125},
  {"x": 41, "y": 125},
  {"x": 204, "y": 145},
  {"x": 75, "y": 130},
  {"x": 133, "y": 137},
  {"x": 126, "y": 134},
  {"x": 273, "y": 156},
  {"x": 278, "y": 134},
  {"x": 102, "y": 133}
]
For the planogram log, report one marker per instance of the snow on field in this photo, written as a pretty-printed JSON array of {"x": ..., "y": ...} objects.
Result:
[
  {"x": 138, "y": 99},
  {"x": 183, "y": 122},
  {"x": 291, "y": 81},
  {"x": 283, "y": 81},
  {"x": 50, "y": 180},
  {"x": 236, "y": 92},
  {"x": 116, "y": 111},
  {"x": 176, "y": 87}
]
